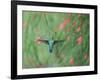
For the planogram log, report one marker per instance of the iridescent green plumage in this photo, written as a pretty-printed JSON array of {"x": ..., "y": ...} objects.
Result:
[{"x": 51, "y": 43}]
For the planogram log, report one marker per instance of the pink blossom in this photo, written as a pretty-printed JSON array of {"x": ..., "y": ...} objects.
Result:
[
  {"x": 63, "y": 25},
  {"x": 78, "y": 29},
  {"x": 79, "y": 40},
  {"x": 71, "y": 61}
]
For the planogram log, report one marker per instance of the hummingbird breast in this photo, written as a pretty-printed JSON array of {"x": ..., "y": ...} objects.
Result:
[{"x": 51, "y": 46}]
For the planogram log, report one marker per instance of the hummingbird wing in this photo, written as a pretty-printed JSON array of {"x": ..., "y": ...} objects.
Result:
[
  {"x": 48, "y": 43},
  {"x": 45, "y": 41},
  {"x": 58, "y": 41}
]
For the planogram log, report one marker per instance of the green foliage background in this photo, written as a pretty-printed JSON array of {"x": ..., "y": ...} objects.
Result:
[{"x": 46, "y": 25}]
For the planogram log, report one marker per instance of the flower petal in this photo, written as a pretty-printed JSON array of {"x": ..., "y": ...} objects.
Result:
[{"x": 79, "y": 40}]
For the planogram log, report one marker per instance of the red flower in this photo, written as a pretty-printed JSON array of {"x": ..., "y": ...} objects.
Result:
[
  {"x": 79, "y": 40},
  {"x": 63, "y": 25},
  {"x": 78, "y": 29},
  {"x": 71, "y": 61}
]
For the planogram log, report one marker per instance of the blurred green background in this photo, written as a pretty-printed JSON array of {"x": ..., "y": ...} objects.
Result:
[{"x": 71, "y": 27}]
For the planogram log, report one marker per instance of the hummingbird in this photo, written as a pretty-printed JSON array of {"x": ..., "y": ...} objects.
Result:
[{"x": 50, "y": 43}]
